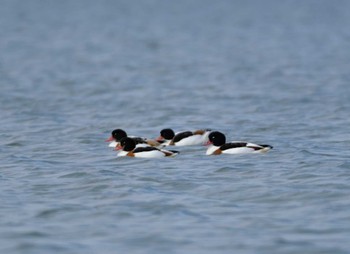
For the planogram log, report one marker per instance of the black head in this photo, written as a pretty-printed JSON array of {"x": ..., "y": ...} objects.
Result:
[
  {"x": 217, "y": 138},
  {"x": 128, "y": 144},
  {"x": 167, "y": 134},
  {"x": 118, "y": 134}
]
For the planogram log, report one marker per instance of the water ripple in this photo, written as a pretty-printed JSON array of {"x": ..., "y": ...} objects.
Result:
[{"x": 72, "y": 71}]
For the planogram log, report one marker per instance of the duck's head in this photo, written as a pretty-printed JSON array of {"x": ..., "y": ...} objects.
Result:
[
  {"x": 127, "y": 144},
  {"x": 166, "y": 134},
  {"x": 216, "y": 138}
]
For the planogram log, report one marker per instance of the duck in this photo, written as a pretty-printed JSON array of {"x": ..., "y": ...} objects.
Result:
[
  {"x": 128, "y": 147},
  {"x": 184, "y": 138},
  {"x": 118, "y": 134},
  {"x": 217, "y": 145}
]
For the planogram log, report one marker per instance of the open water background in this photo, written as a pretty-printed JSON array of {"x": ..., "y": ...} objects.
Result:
[{"x": 276, "y": 72}]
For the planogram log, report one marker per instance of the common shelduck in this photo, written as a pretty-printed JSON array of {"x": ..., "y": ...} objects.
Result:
[
  {"x": 118, "y": 134},
  {"x": 128, "y": 147},
  {"x": 217, "y": 145},
  {"x": 184, "y": 138}
]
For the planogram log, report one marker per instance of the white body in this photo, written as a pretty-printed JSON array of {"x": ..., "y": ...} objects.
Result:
[
  {"x": 191, "y": 140},
  {"x": 148, "y": 154},
  {"x": 194, "y": 140},
  {"x": 238, "y": 150},
  {"x": 122, "y": 153},
  {"x": 115, "y": 143}
]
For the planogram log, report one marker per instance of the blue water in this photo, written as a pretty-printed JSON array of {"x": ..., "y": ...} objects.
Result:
[{"x": 273, "y": 72}]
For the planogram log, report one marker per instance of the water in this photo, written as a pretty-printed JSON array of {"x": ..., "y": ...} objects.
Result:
[{"x": 275, "y": 72}]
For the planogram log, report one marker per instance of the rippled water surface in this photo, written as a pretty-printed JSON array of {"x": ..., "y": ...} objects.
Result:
[{"x": 275, "y": 72}]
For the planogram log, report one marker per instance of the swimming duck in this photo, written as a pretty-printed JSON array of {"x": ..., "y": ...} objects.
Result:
[
  {"x": 118, "y": 134},
  {"x": 128, "y": 147},
  {"x": 217, "y": 145},
  {"x": 184, "y": 138}
]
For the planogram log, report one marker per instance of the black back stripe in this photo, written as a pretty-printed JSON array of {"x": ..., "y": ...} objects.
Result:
[
  {"x": 182, "y": 135},
  {"x": 232, "y": 145},
  {"x": 145, "y": 149},
  {"x": 268, "y": 146}
]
